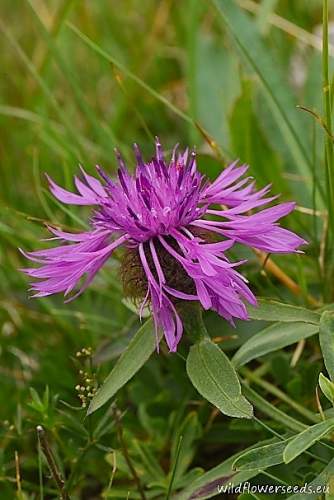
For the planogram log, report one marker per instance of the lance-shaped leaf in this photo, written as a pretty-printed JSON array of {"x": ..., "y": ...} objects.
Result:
[
  {"x": 327, "y": 387},
  {"x": 307, "y": 438},
  {"x": 273, "y": 338},
  {"x": 214, "y": 377},
  {"x": 262, "y": 62},
  {"x": 133, "y": 358},
  {"x": 271, "y": 310},
  {"x": 262, "y": 457},
  {"x": 326, "y": 337},
  {"x": 214, "y": 480}
]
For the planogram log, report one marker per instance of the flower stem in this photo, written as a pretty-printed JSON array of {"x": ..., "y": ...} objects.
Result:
[{"x": 192, "y": 318}]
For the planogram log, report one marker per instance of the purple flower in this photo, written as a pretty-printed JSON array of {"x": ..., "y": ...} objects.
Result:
[{"x": 162, "y": 216}]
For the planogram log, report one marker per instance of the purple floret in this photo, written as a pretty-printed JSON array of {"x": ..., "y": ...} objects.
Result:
[{"x": 166, "y": 206}]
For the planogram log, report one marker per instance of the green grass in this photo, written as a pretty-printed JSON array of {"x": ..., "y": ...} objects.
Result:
[{"x": 79, "y": 79}]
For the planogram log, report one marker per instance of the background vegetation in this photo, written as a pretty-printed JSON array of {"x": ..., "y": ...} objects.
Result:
[{"x": 77, "y": 79}]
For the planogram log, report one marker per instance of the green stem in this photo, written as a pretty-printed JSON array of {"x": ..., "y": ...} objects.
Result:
[
  {"x": 329, "y": 152},
  {"x": 170, "y": 486},
  {"x": 192, "y": 318}
]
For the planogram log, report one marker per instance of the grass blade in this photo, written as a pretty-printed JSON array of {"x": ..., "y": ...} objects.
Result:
[{"x": 248, "y": 41}]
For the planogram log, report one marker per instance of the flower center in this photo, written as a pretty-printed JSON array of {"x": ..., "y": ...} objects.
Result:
[{"x": 134, "y": 278}]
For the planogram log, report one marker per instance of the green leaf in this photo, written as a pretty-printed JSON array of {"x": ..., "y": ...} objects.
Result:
[
  {"x": 326, "y": 337},
  {"x": 144, "y": 312},
  {"x": 206, "y": 486},
  {"x": 323, "y": 479},
  {"x": 120, "y": 493},
  {"x": 273, "y": 79},
  {"x": 36, "y": 402},
  {"x": 149, "y": 460},
  {"x": 327, "y": 387},
  {"x": 307, "y": 438},
  {"x": 134, "y": 357},
  {"x": 272, "y": 411},
  {"x": 273, "y": 338},
  {"x": 261, "y": 457},
  {"x": 270, "y": 310},
  {"x": 111, "y": 59},
  {"x": 71, "y": 78},
  {"x": 266, "y": 8},
  {"x": 250, "y": 144},
  {"x": 214, "y": 377},
  {"x": 50, "y": 96},
  {"x": 213, "y": 84},
  {"x": 189, "y": 430}
]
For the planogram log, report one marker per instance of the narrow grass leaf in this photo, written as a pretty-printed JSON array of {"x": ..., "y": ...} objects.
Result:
[
  {"x": 139, "y": 350},
  {"x": 214, "y": 377},
  {"x": 280, "y": 99},
  {"x": 148, "y": 459},
  {"x": 90, "y": 116},
  {"x": 273, "y": 338},
  {"x": 306, "y": 439},
  {"x": 43, "y": 85},
  {"x": 108, "y": 57},
  {"x": 174, "y": 469},
  {"x": 189, "y": 430},
  {"x": 326, "y": 337},
  {"x": 256, "y": 150}
]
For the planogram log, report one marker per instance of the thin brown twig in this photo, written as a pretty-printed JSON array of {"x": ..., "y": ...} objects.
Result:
[
  {"x": 297, "y": 353},
  {"x": 126, "y": 455},
  {"x": 318, "y": 118},
  {"x": 45, "y": 447},
  {"x": 273, "y": 268},
  {"x": 18, "y": 474},
  {"x": 211, "y": 142},
  {"x": 317, "y": 399}
]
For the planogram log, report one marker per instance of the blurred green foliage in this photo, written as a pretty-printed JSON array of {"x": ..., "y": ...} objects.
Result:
[{"x": 77, "y": 79}]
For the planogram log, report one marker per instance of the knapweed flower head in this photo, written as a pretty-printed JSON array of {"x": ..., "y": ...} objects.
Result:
[{"x": 175, "y": 227}]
